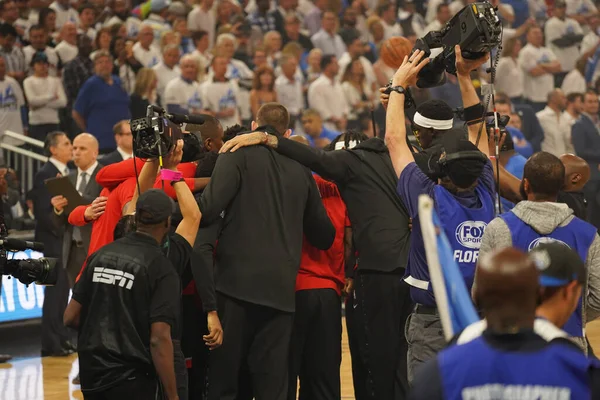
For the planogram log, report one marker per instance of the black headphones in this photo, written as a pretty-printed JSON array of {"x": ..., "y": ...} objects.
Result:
[{"x": 439, "y": 168}]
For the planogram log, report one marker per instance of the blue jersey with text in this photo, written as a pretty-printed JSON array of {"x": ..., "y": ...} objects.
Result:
[
  {"x": 480, "y": 371},
  {"x": 464, "y": 227},
  {"x": 577, "y": 234}
]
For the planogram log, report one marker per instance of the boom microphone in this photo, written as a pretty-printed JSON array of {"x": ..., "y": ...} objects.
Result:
[{"x": 21, "y": 245}]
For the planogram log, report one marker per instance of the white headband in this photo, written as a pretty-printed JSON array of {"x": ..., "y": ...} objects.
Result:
[
  {"x": 342, "y": 144},
  {"x": 432, "y": 123}
]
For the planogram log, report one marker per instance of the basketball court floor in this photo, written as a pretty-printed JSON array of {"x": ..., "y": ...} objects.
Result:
[{"x": 50, "y": 378}]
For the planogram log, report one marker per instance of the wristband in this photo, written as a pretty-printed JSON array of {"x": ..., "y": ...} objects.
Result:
[
  {"x": 474, "y": 113},
  {"x": 168, "y": 175}
]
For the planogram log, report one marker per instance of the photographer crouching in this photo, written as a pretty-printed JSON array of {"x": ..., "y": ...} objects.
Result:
[{"x": 127, "y": 301}]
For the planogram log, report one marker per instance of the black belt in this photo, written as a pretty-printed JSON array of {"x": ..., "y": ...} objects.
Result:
[{"x": 426, "y": 310}]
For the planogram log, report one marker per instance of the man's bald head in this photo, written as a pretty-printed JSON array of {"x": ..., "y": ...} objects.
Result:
[
  {"x": 557, "y": 98},
  {"x": 506, "y": 289},
  {"x": 300, "y": 139},
  {"x": 85, "y": 150},
  {"x": 211, "y": 133},
  {"x": 577, "y": 172}
]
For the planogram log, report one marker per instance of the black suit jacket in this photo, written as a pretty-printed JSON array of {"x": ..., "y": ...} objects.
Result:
[
  {"x": 61, "y": 221},
  {"x": 111, "y": 158},
  {"x": 45, "y": 229}
]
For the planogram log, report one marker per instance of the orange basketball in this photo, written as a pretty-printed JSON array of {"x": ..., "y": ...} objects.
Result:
[{"x": 394, "y": 50}]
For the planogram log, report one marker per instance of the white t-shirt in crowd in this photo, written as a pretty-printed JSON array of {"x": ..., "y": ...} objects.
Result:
[
  {"x": 220, "y": 96},
  {"x": 366, "y": 64},
  {"x": 556, "y": 131},
  {"x": 556, "y": 28},
  {"x": 148, "y": 58},
  {"x": 164, "y": 75},
  {"x": 44, "y": 96},
  {"x": 66, "y": 51},
  {"x": 328, "y": 98},
  {"x": 29, "y": 51},
  {"x": 198, "y": 20},
  {"x": 435, "y": 25},
  {"x": 536, "y": 88},
  {"x": 132, "y": 25},
  {"x": 391, "y": 30},
  {"x": 205, "y": 59},
  {"x": 509, "y": 77},
  {"x": 186, "y": 95},
  {"x": 574, "y": 82},
  {"x": 11, "y": 101},
  {"x": 289, "y": 94},
  {"x": 580, "y": 7},
  {"x": 589, "y": 41},
  {"x": 64, "y": 15}
]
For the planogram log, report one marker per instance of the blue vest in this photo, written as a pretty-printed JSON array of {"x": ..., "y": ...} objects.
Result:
[
  {"x": 476, "y": 370},
  {"x": 464, "y": 228},
  {"x": 577, "y": 234}
]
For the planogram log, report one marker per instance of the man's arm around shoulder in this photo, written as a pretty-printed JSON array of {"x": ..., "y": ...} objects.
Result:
[{"x": 318, "y": 229}]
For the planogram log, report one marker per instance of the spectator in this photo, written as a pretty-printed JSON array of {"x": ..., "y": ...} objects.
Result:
[
  {"x": 411, "y": 20},
  {"x": 13, "y": 55},
  {"x": 38, "y": 36},
  {"x": 272, "y": 44},
  {"x": 514, "y": 163},
  {"x": 357, "y": 93},
  {"x": 563, "y": 36},
  {"x": 572, "y": 113},
  {"x": 530, "y": 126},
  {"x": 12, "y": 103},
  {"x": 102, "y": 41},
  {"x": 202, "y": 18},
  {"x": 326, "y": 38},
  {"x": 376, "y": 33},
  {"x": 574, "y": 81},
  {"x": 581, "y": 10},
  {"x": 262, "y": 18},
  {"x": 313, "y": 20},
  {"x": 143, "y": 51},
  {"x": 555, "y": 125},
  {"x": 591, "y": 43},
  {"x": 509, "y": 77},
  {"x": 285, "y": 8},
  {"x": 316, "y": 133},
  {"x": 387, "y": 13},
  {"x": 48, "y": 21},
  {"x": 201, "y": 42},
  {"x": 144, "y": 92},
  {"x": 125, "y": 65},
  {"x": 586, "y": 142},
  {"x": 75, "y": 74},
  {"x": 157, "y": 19},
  {"x": 123, "y": 16},
  {"x": 538, "y": 64},
  {"x": 292, "y": 33},
  {"x": 64, "y": 13},
  {"x": 441, "y": 18},
  {"x": 67, "y": 48},
  {"x": 167, "y": 69},
  {"x": 326, "y": 95},
  {"x": 236, "y": 69},
  {"x": 289, "y": 88},
  {"x": 124, "y": 140},
  {"x": 222, "y": 96},
  {"x": 313, "y": 69},
  {"x": 45, "y": 95},
  {"x": 181, "y": 29},
  {"x": 355, "y": 50},
  {"x": 101, "y": 103},
  {"x": 183, "y": 94},
  {"x": 263, "y": 89},
  {"x": 87, "y": 17}
]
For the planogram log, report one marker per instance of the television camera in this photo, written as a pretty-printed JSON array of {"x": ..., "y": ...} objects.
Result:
[
  {"x": 41, "y": 271},
  {"x": 156, "y": 134}
]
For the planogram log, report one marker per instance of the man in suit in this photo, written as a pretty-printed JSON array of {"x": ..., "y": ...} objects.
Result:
[
  {"x": 585, "y": 135},
  {"x": 76, "y": 240},
  {"x": 55, "y": 336},
  {"x": 124, "y": 140}
]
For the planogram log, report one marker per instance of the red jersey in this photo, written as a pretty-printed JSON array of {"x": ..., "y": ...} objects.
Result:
[{"x": 321, "y": 269}]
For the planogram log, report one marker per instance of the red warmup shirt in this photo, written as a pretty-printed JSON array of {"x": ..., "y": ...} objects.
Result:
[
  {"x": 119, "y": 184},
  {"x": 325, "y": 269}
]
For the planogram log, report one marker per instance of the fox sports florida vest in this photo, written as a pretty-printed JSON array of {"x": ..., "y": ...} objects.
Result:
[{"x": 577, "y": 234}]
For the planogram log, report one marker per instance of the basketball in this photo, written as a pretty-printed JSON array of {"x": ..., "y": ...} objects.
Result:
[{"x": 394, "y": 50}]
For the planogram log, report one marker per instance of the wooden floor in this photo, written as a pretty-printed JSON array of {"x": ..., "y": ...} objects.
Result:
[{"x": 50, "y": 378}]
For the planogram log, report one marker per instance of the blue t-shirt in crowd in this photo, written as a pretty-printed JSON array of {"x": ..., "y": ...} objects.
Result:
[
  {"x": 526, "y": 150},
  {"x": 413, "y": 183},
  {"x": 102, "y": 105},
  {"x": 515, "y": 166},
  {"x": 325, "y": 134}
]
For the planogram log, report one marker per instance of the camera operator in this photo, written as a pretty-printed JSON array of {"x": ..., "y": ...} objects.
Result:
[
  {"x": 508, "y": 292},
  {"x": 125, "y": 306},
  {"x": 265, "y": 201},
  {"x": 540, "y": 218},
  {"x": 463, "y": 197}
]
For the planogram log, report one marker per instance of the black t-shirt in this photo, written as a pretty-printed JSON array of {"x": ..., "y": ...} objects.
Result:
[
  {"x": 126, "y": 286},
  {"x": 576, "y": 202}
]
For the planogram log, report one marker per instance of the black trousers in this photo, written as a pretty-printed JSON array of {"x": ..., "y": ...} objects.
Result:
[
  {"x": 135, "y": 388},
  {"x": 77, "y": 257},
  {"x": 181, "y": 374},
  {"x": 316, "y": 346},
  {"x": 54, "y": 332},
  {"x": 257, "y": 335},
  {"x": 382, "y": 306},
  {"x": 359, "y": 369},
  {"x": 194, "y": 327}
]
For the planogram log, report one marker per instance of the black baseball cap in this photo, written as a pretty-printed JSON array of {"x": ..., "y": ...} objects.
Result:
[
  {"x": 154, "y": 207},
  {"x": 465, "y": 170},
  {"x": 558, "y": 264}
]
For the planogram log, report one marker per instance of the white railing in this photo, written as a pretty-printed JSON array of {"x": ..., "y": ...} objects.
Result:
[{"x": 25, "y": 162}]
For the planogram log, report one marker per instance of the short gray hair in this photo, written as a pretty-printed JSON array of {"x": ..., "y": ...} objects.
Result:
[{"x": 101, "y": 53}]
